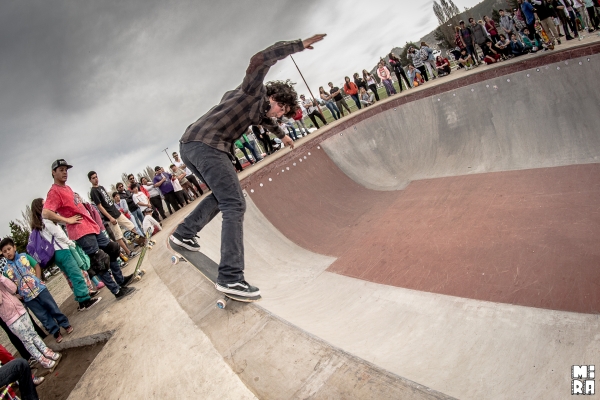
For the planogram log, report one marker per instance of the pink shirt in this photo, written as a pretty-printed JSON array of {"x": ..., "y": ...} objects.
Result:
[
  {"x": 383, "y": 72},
  {"x": 11, "y": 308},
  {"x": 61, "y": 200}
]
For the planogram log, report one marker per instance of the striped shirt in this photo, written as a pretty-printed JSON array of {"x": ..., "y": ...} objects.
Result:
[{"x": 243, "y": 106}]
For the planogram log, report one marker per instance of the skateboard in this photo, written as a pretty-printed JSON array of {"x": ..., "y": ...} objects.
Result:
[
  {"x": 138, "y": 273},
  {"x": 208, "y": 269}
]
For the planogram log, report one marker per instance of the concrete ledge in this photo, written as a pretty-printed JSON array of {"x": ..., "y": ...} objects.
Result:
[{"x": 277, "y": 360}]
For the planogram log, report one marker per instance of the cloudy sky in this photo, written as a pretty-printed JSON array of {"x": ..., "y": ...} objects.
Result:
[{"x": 108, "y": 85}]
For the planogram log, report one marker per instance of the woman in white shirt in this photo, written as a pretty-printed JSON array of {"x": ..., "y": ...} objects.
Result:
[{"x": 69, "y": 258}]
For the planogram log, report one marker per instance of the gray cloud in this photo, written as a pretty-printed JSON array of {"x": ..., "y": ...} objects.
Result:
[{"x": 107, "y": 85}]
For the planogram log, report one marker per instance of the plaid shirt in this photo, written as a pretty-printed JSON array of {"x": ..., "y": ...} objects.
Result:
[{"x": 244, "y": 106}]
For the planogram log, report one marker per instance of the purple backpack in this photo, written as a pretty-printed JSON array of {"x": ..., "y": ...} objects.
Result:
[{"x": 39, "y": 248}]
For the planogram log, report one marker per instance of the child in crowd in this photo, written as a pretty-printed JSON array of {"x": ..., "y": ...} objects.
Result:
[
  {"x": 443, "y": 66},
  {"x": 150, "y": 224},
  {"x": 530, "y": 41},
  {"x": 14, "y": 315},
  {"x": 121, "y": 205},
  {"x": 24, "y": 271},
  {"x": 68, "y": 257},
  {"x": 517, "y": 47},
  {"x": 365, "y": 98},
  {"x": 415, "y": 76},
  {"x": 490, "y": 53}
]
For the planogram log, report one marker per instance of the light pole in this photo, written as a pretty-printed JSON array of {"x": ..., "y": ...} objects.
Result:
[
  {"x": 311, "y": 95},
  {"x": 165, "y": 150}
]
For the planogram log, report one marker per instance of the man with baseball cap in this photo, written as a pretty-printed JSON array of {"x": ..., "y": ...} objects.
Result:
[{"x": 62, "y": 206}]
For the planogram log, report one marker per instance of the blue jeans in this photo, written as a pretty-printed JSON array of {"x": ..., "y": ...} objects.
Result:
[
  {"x": 90, "y": 244},
  {"x": 251, "y": 148},
  {"x": 214, "y": 168},
  {"x": 333, "y": 109},
  {"x": 139, "y": 217},
  {"x": 19, "y": 370},
  {"x": 356, "y": 100},
  {"x": 46, "y": 310}
]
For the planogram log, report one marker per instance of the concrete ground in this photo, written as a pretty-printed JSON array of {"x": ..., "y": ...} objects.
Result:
[{"x": 169, "y": 341}]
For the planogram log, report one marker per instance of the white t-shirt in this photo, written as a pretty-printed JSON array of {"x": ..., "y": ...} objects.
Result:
[
  {"x": 61, "y": 240},
  {"x": 179, "y": 164},
  {"x": 150, "y": 224},
  {"x": 140, "y": 197}
]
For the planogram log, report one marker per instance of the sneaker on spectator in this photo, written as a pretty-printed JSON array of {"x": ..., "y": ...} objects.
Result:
[
  {"x": 48, "y": 364},
  {"x": 124, "y": 291},
  {"x": 100, "y": 285},
  {"x": 58, "y": 337},
  {"x": 93, "y": 293},
  {"x": 52, "y": 355},
  {"x": 127, "y": 280},
  {"x": 86, "y": 305},
  {"x": 37, "y": 380}
]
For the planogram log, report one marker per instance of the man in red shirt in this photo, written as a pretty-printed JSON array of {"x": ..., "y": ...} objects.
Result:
[{"x": 62, "y": 206}]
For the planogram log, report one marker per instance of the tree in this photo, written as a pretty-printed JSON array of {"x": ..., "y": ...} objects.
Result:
[
  {"x": 447, "y": 14},
  {"x": 124, "y": 179},
  {"x": 149, "y": 172},
  {"x": 20, "y": 235},
  {"x": 26, "y": 221},
  {"x": 496, "y": 16}
]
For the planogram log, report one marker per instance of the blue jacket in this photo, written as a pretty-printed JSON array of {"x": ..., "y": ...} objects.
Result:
[{"x": 527, "y": 10}]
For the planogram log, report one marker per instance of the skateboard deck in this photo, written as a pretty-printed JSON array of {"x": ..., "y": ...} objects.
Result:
[
  {"x": 208, "y": 269},
  {"x": 138, "y": 273}
]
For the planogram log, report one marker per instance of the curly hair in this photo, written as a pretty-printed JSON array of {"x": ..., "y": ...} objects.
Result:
[{"x": 283, "y": 92}]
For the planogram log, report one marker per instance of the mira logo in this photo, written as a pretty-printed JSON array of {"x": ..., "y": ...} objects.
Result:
[{"x": 583, "y": 379}]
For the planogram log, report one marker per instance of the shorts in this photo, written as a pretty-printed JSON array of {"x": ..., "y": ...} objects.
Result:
[{"x": 125, "y": 223}]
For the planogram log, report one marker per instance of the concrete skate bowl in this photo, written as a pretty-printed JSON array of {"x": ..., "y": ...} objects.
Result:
[{"x": 447, "y": 236}]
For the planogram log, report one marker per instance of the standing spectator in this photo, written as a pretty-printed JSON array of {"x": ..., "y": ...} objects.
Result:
[
  {"x": 185, "y": 184},
  {"x": 417, "y": 60},
  {"x": 312, "y": 110},
  {"x": 63, "y": 206},
  {"x": 365, "y": 98},
  {"x": 396, "y": 66},
  {"x": 386, "y": 78},
  {"x": 490, "y": 26},
  {"x": 507, "y": 26},
  {"x": 340, "y": 102},
  {"x": 546, "y": 13},
  {"x": 106, "y": 205},
  {"x": 135, "y": 211},
  {"x": 264, "y": 138},
  {"x": 371, "y": 82},
  {"x": 25, "y": 273},
  {"x": 359, "y": 82},
  {"x": 66, "y": 255},
  {"x": 479, "y": 34},
  {"x": 458, "y": 39},
  {"x": 569, "y": 18},
  {"x": 124, "y": 210},
  {"x": 528, "y": 14},
  {"x": 443, "y": 66},
  {"x": 299, "y": 118},
  {"x": 467, "y": 36},
  {"x": 519, "y": 21},
  {"x": 428, "y": 60},
  {"x": 329, "y": 103},
  {"x": 243, "y": 143},
  {"x": 580, "y": 9},
  {"x": 188, "y": 175},
  {"x": 142, "y": 201},
  {"x": 162, "y": 180},
  {"x": 594, "y": 20},
  {"x": 154, "y": 196},
  {"x": 351, "y": 89},
  {"x": 181, "y": 201}
]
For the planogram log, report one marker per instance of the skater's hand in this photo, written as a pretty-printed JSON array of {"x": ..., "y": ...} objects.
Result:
[
  {"x": 75, "y": 219},
  {"x": 287, "y": 141},
  {"x": 307, "y": 43}
]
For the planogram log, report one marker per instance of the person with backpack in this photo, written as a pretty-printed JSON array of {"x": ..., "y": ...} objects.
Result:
[
  {"x": 25, "y": 272},
  {"x": 48, "y": 240},
  {"x": 428, "y": 59}
]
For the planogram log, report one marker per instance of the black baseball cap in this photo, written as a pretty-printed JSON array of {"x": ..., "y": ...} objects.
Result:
[{"x": 60, "y": 163}]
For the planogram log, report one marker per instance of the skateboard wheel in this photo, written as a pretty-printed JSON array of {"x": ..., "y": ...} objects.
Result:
[
  {"x": 174, "y": 259},
  {"x": 222, "y": 303}
]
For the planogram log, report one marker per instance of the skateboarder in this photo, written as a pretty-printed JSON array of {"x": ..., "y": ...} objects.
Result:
[{"x": 206, "y": 148}]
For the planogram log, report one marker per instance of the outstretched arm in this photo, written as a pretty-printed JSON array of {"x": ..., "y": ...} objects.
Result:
[{"x": 263, "y": 60}]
